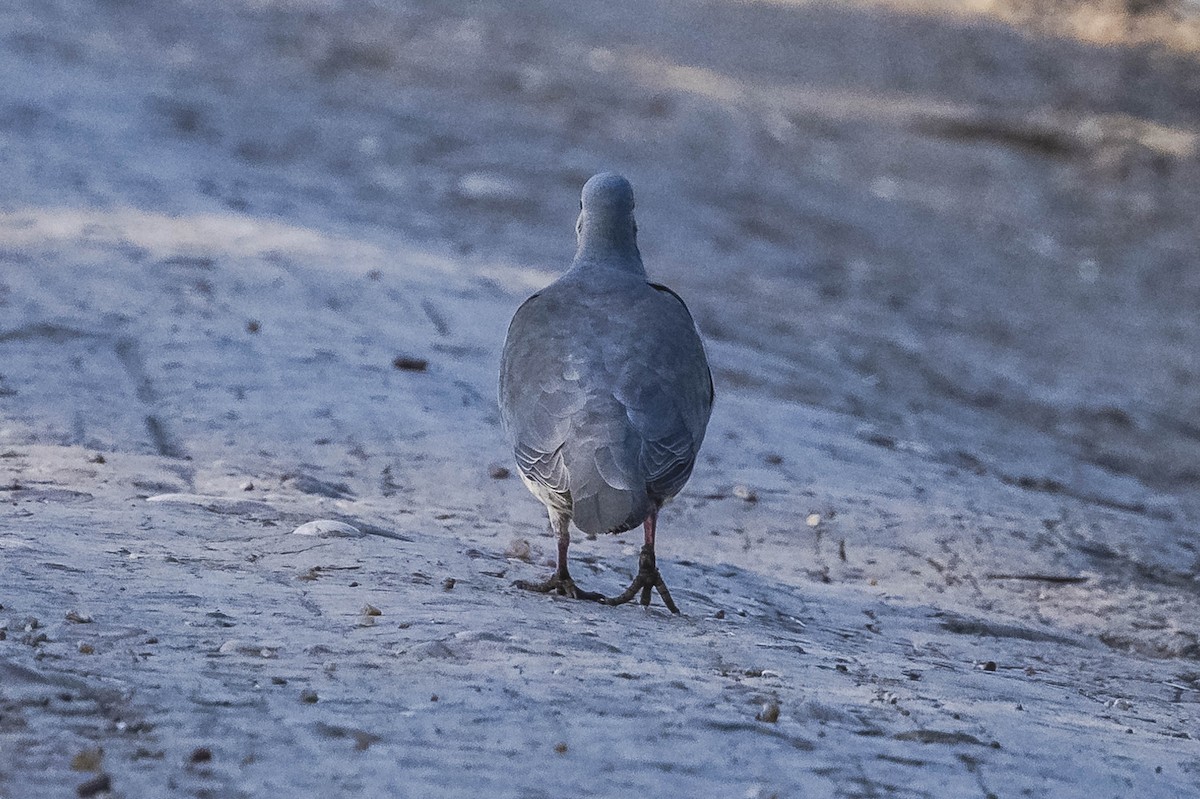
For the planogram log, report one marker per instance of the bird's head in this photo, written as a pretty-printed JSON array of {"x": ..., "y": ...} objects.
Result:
[{"x": 606, "y": 214}]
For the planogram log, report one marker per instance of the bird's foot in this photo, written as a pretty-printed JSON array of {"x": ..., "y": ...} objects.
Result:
[
  {"x": 648, "y": 578},
  {"x": 562, "y": 584}
]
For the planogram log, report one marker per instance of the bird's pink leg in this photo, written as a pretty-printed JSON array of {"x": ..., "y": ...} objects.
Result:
[
  {"x": 561, "y": 581},
  {"x": 648, "y": 576}
]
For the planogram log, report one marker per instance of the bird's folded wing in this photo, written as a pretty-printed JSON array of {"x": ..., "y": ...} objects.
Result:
[
  {"x": 668, "y": 464},
  {"x": 544, "y": 468}
]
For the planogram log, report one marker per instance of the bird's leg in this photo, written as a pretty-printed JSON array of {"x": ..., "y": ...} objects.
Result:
[
  {"x": 561, "y": 581},
  {"x": 648, "y": 576}
]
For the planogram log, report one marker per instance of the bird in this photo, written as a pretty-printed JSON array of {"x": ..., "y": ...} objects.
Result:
[{"x": 605, "y": 392}]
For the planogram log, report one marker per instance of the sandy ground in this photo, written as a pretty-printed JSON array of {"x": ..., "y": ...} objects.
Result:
[{"x": 942, "y": 541}]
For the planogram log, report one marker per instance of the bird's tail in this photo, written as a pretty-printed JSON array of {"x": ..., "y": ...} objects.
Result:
[{"x": 608, "y": 491}]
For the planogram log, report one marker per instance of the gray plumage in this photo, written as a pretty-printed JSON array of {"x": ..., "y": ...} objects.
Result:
[{"x": 605, "y": 391}]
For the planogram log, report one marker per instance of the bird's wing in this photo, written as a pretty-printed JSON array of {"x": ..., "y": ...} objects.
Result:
[
  {"x": 666, "y": 388},
  {"x": 536, "y": 403}
]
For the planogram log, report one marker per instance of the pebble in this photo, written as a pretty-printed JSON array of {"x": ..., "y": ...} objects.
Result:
[
  {"x": 87, "y": 760},
  {"x": 769, "y": 712},
  {"x": 328, "y": 528},
  {"x": 408, "y": 363},
  {"x": 519, "y": 549},
  {"x": 236, "y": 646},
  {"x": 96, "y": 785},
  {"x": 745, "y": 493},
  {"x": 813, "y": 519}
]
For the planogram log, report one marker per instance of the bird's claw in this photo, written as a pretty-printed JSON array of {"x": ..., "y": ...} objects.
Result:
[
  {"x": 563, "y": 585},
  {"x": 648, "y": 578}
]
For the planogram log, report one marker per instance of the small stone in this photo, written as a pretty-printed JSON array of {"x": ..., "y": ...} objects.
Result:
[
  {"x": 989, "y": 666},
  {"x": 519, "y": 549},
  {"x": 371, "y": 610},
  {"x": 813, "y": 519},
  {"x": 560, "y": 748},
  {"x": 498, "y": 472},
  {"x": 278, "y": 681},
  {"x": 327, "y": 528},
  {"x": 308, "y": 697},
  {"x": 253, "y": 326},
  {"x": 87, "y": 760},
  {"x": 86, "y": 649},
  {"x": 78, "y": 618},
  {"x": 406, "y": 363},
  {"x": 96, "y": 785},
  {"x": 769, "y": 713},
  {"x": 448, "y": 584},
  {"x": 96, "y": 457},
  {"x": 720, "y": 614},
  {"x": 201, "y": 754},
  {"x": 745, "y": 493},
  {"x": 247, "y": 486}
]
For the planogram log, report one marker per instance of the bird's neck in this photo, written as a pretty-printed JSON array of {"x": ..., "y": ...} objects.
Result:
[{"x": 609, "y": 250}]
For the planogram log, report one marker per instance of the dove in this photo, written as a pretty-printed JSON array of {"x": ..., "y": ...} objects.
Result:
[{"x": 605, "y": 393}]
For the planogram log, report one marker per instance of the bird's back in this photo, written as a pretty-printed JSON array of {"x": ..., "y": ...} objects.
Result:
[{"x": 605, "y": 393}]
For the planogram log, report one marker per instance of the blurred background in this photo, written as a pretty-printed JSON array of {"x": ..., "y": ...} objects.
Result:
[{"x": 972, "y": 225}]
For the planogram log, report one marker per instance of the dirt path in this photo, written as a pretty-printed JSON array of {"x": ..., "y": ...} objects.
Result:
[{"x": 943, "y": 538}]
